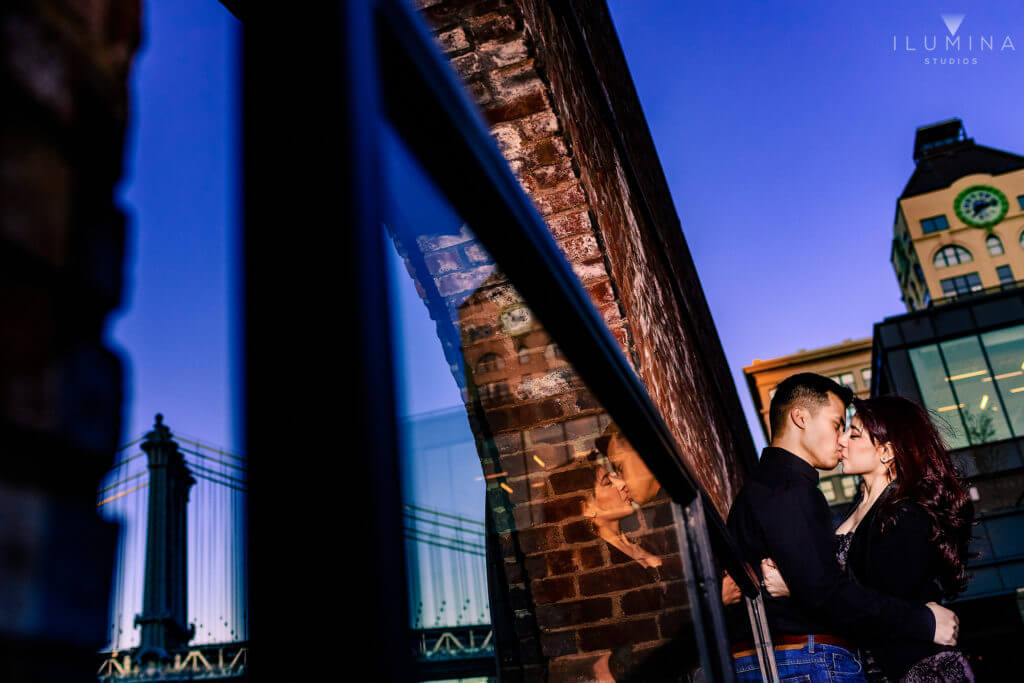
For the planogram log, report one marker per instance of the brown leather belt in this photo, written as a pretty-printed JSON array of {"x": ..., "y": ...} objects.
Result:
[{"x": 786, "y": 641}]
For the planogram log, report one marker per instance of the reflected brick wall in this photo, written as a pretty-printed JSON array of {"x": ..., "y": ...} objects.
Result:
[
  {"x": 64, "y": 93},
  {"x": 576, "y": 603}
]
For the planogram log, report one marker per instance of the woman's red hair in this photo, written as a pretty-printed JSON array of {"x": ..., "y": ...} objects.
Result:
[{"x": 925, "y": 475}]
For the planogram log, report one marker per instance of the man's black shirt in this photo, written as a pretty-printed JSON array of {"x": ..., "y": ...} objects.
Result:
[{"x": 780, "y": 513}]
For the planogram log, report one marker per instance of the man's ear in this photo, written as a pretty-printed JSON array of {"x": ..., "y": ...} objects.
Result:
[{"x": 798, "y": 416}]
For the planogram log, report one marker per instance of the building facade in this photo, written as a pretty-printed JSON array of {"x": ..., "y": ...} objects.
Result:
[
  {"x": 964, "y": 361},
  {"x": 848, "y": 363},
  {"x": 959, "y": 225}
]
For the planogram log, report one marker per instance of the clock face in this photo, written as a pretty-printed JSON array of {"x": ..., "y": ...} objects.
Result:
[
  {"x": 981, "y": 206},
  {"x": 516, "y": 320}
]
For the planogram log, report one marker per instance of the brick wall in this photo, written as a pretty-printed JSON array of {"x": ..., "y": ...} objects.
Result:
[
  {"x": 577, "y": 605},
  {"x": 63, "y": 84}
]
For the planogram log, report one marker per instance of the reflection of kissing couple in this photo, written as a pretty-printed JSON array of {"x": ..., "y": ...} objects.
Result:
[
  {"x": 621, "y": 484},
  {"x": 873, "y": 584}
]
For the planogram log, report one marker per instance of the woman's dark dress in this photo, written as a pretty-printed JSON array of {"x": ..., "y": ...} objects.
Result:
[{"x": 903, "y": 562}]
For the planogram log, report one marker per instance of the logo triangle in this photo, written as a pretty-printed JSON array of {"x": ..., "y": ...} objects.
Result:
[{"x": 952, "y": 22}]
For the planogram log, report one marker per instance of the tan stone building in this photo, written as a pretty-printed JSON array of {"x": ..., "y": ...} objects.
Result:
[
  {"x": 959, "y": 226},
  {"x": 848, "y": 363}
]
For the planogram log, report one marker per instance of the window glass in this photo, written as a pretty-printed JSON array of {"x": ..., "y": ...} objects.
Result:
[
  {"x": 994, "y": 244},
  {"x": 530, "y": 520},
  {"x": 983, "y": 416},
  {"x": 1020, "y": 201},
  {"x": 846, "y": 379},
  {"x": 1005, "y": 349},
  {"x": 865, "y": 375},
  {"x": 951, "y": 256},
  {"x": 1005, "y": 275},
  {"x": 934, "y": 224},
  {"x": 937, "y": 394},
  {"x": 961, "y": 284}
]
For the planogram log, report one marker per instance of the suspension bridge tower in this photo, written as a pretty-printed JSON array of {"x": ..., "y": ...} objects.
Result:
[{"x": 164, "y": 619}]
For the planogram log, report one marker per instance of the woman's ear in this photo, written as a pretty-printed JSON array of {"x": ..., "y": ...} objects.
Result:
[{"x": 887, "y": 455}]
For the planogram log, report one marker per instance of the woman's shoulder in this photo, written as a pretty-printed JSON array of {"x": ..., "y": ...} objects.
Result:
[{"x": 905, "y": 516}]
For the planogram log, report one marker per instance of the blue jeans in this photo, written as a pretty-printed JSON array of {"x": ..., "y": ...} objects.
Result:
[{"x": 812, "y": 663}]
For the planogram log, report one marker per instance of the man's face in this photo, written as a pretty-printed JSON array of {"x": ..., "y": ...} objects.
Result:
[{"x": 822, "y": 431}]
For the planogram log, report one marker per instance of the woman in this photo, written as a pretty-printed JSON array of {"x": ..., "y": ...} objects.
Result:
[
  {"x": 608, "y": 502},
  {"x": 907, "y": 534}
]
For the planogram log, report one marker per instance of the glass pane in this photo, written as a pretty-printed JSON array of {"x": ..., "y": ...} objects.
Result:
[
  {"x": 1005, "y": 349},
  {"x": 531, "y": 522},
  {"x": 937, "y": 395},
  {"x": 983, "y": 415}
]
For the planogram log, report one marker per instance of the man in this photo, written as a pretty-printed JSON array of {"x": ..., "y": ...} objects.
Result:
[{"x": 780, "y": 513}]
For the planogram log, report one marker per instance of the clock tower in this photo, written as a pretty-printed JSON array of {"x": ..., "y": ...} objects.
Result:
[{"x": 959, "y": 225}]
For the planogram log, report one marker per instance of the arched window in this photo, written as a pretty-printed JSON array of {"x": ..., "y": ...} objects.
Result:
[
  {"x": 951, "y": 256},
  {"x": 995, "y": 246},
  {"x": 1022, "y": 239},
  {"x": 489, "y": 363}
]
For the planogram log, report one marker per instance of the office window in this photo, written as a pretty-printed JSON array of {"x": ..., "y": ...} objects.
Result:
[
  {"x": 962, "y": 284},
  {"x": 934, "y": 224},
  {"x": 1005, "y": 275},
  {"x": 827, "y": 488},
  {"x": 846, "y": 379},
  {"x": 1005, "y": 349},
  {"x": 937, "y": 393},
  {"x": 971, "y": 380},
  {"x": 995, "y": 245},
  {"x": 951, "y": 256},
  {"x": 865, "y": 375}
]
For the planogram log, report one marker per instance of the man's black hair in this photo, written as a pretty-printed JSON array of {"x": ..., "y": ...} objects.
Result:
[{"x": 805, "y": 389}]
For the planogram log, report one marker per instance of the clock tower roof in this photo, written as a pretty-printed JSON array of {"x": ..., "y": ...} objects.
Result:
[{"x": 943, "y": 154}]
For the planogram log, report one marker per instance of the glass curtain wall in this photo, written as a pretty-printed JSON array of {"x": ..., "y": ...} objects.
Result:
[{"x": 974, "y": 385}]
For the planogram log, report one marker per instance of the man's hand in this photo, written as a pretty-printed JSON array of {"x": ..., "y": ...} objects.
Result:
[
  {"x": 947, "y": 624},
  {"x": 731, "y": 593}
]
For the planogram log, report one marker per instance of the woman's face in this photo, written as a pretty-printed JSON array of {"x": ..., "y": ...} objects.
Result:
[
  {"x": 857, "y": 453},
  {"x": 611, "y": 496}
]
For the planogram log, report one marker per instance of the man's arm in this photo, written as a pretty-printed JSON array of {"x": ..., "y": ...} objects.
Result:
[{"x": 800, "y": 540}]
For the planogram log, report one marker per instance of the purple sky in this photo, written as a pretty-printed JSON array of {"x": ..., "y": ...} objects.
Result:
[{"x": 784, "y": 129}]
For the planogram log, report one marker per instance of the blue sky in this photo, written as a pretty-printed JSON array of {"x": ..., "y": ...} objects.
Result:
[
  {"x": 784, "y": 129},
  {"x": 176, "y": 329}
]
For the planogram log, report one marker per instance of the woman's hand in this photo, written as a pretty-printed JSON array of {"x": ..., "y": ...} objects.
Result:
[
  {"x": 773, "y": 581},
  {"x": 731, "y": 593}
]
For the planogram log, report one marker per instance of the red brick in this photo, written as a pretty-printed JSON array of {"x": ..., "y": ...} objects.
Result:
[
  {"x": 601, "y": 292},
  {"x": 553, "y": 590},
  {"x": 560, "y": 200},
  {"x": 551, "y": 175},
  {"x": 468, "y": 64},
  {"x": 558, "y": 644},
  {"x": 571, "y": 480},
  {"x": 578, "y": 532},
  {"x": 539, "y": 539},
  {"x": 590, "y": 557},
  {"x": 654, "y": 598},
  {"x": 453, "y": 40},
  {"x": 505, "y": 53},
  {"x": 566, "y": 224},
  {"x": 491, "y": 26},
  {"x": 574, "y": 613},
  {"x": 514, "y": 108},
  {"x": 539, "y": 125},
  {"x": 616, "y": 635},
  {"x": 582, "y": 427},
  {"x": 613, "y": 579}
]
